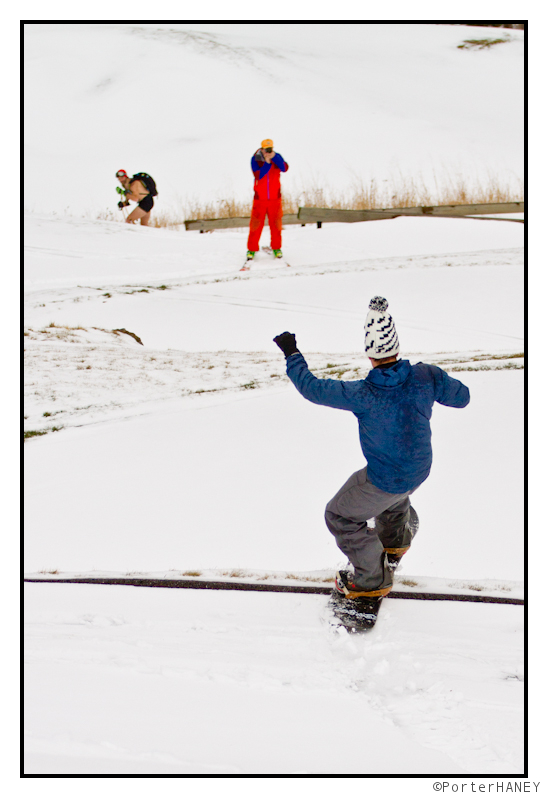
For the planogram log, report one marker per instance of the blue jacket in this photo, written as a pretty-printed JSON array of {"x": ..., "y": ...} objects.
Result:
[{"x": 393, "y": 407}]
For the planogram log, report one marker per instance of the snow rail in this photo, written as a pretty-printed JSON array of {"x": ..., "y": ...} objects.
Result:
[{"x": 197, "y": 584}]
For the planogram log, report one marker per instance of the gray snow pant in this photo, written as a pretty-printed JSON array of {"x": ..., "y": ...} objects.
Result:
[{"x": 346, "y": 516}]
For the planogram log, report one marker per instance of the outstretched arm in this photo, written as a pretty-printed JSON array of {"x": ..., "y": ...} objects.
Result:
[{"x": 332, "y": 393}]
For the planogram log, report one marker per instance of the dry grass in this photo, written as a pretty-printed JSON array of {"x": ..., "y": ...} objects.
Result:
[
  {"x": 403, "y": 191},
  {"x": 397, "y": 191},
  {"x": 481, "y": 44}
]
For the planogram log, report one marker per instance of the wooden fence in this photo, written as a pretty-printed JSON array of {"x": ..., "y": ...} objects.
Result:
[
  {"x": 205, "y": 225},
  {"x": 308, "y": 215},
  {"x": 319, "y": 215}
]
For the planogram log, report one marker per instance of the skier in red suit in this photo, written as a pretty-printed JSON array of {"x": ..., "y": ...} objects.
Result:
[{"x": 266, "y": 166}]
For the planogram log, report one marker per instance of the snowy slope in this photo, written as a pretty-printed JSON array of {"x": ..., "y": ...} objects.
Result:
[
  {"x": 176, "y": 459},
  {"x": 205, "y": 400},
  {"x": 190, "y": 682},
  {"x": 192, "y": 452},
  {"x": 216, "y": 483},
  {"x": 344, "y": 104}
]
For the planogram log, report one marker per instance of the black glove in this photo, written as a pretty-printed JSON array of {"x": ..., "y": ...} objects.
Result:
[
  {"x": 287, "y": 343},
  {"x": 123, "y": 204}
]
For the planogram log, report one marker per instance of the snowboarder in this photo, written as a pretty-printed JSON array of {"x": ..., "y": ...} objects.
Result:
[
  {"x": 266, "y": 166},
  {"x": 393, "y": 406},
  {"x": 136, "y": 189}
]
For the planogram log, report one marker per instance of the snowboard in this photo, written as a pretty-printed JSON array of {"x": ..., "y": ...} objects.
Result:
[{"x": 355, "y": 615}]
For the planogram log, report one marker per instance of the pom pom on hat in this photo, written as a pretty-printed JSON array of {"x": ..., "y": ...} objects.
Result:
[
  {"x": 381, "y": 338},
  {"x": 378, "y": 303}
]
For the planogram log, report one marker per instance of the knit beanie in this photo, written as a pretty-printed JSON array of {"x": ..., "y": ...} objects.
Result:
[{"x": 381, "y": 338}]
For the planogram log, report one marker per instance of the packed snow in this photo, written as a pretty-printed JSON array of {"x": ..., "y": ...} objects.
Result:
[
  {"x": 168, "y": 440},
  {"x": 198, "y": 682}
]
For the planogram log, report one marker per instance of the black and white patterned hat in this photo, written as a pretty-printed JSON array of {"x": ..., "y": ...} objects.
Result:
[{"x": 381, "y": 338}]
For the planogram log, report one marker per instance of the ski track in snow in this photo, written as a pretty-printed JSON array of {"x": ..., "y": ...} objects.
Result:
[
  {"x": 76, "y": 374},
  {"x": 420, "y": 692},
  {"x": 78, "y": 383}
]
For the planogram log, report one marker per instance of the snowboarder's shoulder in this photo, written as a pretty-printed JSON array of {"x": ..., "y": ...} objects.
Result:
[
  {"x": 428, "y": 373},
  {"x": 424, "y": 369}
]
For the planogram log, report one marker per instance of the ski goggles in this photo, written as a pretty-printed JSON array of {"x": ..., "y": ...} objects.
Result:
[{"x": 121, "y": 173}]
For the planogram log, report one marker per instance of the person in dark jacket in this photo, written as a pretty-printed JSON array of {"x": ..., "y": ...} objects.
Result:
[
  {"x": 393, "y": 406},
  {"x": 267, "y": 167}
]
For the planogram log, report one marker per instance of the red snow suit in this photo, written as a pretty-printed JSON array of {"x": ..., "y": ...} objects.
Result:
[{"x": 267, "y": 200}]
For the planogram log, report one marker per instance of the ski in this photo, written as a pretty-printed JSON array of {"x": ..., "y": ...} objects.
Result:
[
  {"x": 270, "y": 251},
  {"x": 247, "y": 265}
]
